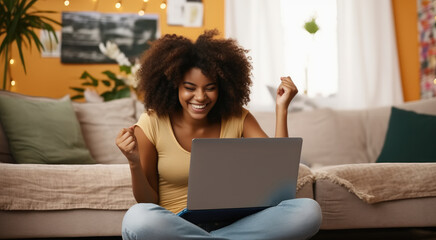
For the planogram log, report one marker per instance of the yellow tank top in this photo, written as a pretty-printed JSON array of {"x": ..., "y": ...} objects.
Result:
[{"x": 173, "y": 160}]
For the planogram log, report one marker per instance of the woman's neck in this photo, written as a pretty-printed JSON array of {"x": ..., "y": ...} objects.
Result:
[{"x": 186, "y": 121}]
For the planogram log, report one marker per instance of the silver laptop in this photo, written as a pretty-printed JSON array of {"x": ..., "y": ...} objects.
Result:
[{"x": 230, "y": 178}]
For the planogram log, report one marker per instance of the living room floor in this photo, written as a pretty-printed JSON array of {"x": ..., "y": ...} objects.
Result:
[{"x": 355, "y": 234}]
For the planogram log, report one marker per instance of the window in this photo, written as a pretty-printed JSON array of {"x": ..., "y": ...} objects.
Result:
[{"x": 311, "y": 58}]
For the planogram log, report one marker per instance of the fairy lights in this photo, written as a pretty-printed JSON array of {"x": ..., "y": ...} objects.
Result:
[
  {"x": 118, "y": 4},
  {"x": 163, "y": 5}
]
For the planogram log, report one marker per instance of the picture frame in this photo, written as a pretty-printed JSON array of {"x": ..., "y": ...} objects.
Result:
[{"x": 82, "y": 32}]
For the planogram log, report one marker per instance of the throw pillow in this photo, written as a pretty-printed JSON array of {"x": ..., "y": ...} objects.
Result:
[
  {"x": 409, "y": 138},
  {"x": 5, "y": 154},
  {"x": 101, "y": 123},
  {"x": 42, "y": 131}
]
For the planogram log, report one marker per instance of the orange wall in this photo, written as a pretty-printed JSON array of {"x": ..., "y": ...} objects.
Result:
[
  {"x": 406, "y": 28},
  {"x": 49, "y": 77}
]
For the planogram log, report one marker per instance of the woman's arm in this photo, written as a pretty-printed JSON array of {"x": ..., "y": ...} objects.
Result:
[
  {"x": 143, "y": 163},
  {"x": 285, "y": 93}
]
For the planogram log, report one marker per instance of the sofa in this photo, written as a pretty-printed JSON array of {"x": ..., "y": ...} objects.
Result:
[{"x": 48, "y": 193}]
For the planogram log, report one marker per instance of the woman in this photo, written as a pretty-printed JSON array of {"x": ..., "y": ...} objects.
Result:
[{"x": 197, "y": 90}]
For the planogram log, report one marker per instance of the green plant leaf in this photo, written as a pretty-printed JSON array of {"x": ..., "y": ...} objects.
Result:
[
  {"x": 113, "y": 77},
  {"x": 77, "y": 97},
  {"x": 77, "y": 89},
  {"x": 110, "y": 75},
  {"x": 126, "y": 69},
  {"x": 20, "y": 52},
  {"x": 106, "y": 82},
  {"x": 311, "y": 26},
  {"x": 123, "y": 93},
  {"x": 86, "y": 75},
  {"x": 116, "y": 94},
  {"x": 87, "y": 84},
  {"x": 108, "y": 95},
  {"x": 18, "y": 24}
]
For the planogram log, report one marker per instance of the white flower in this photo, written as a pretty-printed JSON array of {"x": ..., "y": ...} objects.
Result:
[
  {"x": 131, "y": 80},
  {"x": 135, "y": 68},
  {"x": 112, "y": 51}
]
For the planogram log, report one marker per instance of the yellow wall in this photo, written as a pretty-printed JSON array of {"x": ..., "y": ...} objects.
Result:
[
  {"x": 406, "y": 28},
  {"x": 49, "y": 77}
]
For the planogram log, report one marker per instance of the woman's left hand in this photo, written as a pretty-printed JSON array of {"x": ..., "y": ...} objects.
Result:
[{"x": 285, "y": 93}]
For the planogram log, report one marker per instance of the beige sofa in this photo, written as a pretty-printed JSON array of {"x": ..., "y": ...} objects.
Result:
[
  {"x": 355, "y": 192},
  {"x": 76, "y": 200}
]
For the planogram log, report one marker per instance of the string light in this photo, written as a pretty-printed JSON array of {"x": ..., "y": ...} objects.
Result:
[
  {"x": 118, "y": 4},
  {"x": 434, "y": 81},
  {"x": 66, "y": 2},
  {"x": 13, "y": 82},
  {"x": 144, "y": 6},
  {"x": 11, "y": 61},
  {"x": 163, "y": 5}
]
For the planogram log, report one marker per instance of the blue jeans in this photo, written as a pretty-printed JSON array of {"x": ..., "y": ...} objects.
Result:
[{"x": 292, "y": 219}]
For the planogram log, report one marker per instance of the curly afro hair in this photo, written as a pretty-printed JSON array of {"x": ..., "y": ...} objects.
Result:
[{"x": 165, "y": 63}]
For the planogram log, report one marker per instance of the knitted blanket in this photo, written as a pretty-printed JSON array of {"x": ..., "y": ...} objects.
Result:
[
  {"x": 60, "y": 187},
  {"x": 379, "y": 182}
]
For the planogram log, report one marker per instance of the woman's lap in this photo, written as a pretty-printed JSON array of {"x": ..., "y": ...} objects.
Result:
[{"x": 291, "y": 219}]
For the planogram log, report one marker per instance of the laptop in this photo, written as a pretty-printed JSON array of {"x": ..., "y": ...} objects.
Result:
[{"x": 230, "y": 178}]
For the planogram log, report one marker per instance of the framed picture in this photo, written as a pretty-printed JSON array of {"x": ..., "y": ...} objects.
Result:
[{"x": 82, "y": 32}]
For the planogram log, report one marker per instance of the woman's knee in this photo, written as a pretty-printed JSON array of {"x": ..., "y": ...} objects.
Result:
[
  {"x": 139, "y": 220},
  {"x": 309, "y": 212}
]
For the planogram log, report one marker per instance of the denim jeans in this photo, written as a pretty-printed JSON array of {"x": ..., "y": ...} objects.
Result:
[{"x": 292, "y": 219}]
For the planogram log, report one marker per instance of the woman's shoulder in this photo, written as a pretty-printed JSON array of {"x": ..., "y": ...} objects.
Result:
[{"x": 151, "y": 117}]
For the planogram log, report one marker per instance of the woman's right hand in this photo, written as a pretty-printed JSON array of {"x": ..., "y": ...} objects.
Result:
[{"x": 126, "y": 142}]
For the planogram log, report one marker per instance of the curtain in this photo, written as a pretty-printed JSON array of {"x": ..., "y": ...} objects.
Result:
[
  {"x": 368, "y": 69},
  {"x": 256, "y": 25},
  {"x": 368, "y": 72}
]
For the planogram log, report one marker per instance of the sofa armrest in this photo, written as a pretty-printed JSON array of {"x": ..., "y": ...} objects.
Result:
[{"x": 380, "y": 182}]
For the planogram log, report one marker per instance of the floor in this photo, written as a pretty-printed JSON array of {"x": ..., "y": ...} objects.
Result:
[
  {"x": 355, "y": 234},
  {"x": 378, "y": 234}
]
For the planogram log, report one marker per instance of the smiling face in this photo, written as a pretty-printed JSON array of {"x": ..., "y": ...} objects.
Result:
[{"x": 197, "y": 94}]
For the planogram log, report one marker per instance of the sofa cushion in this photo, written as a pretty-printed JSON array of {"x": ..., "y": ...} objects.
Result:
[
  {"x": 329, "y": 137},
  {"x": 377, "y": 122},
  {"x": 42, "y": 131},
  {"x": 409, "y": 138},
  {"x": 101, "y": 122}
]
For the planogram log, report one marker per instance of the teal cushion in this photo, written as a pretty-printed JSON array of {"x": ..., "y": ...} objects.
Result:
[
  {"x": 43, "y": 131},
  {"x": 410, "y": 138}
]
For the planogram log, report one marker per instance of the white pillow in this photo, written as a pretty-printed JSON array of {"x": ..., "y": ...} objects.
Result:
[{"x": 101, "y": 123}]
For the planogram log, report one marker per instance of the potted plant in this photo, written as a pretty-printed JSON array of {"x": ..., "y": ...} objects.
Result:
[{"x": 18, "y": 24}]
